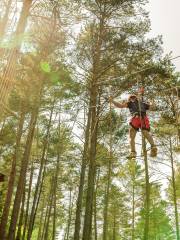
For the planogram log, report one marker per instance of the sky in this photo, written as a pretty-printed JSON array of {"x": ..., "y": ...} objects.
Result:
[{"x": 165, "y": 21}]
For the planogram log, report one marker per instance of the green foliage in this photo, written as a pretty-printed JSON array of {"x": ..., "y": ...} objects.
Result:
[
  {"x": 35, "y": 234},
  {"x": 113, "y": 123},
  {"x": 160, "y": 223},
  {"x": 45, "y": 67},
  {"x": 177, "y": 182},
  {"x": 54, "y": 76}
]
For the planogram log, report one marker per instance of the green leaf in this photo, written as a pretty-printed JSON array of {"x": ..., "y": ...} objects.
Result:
[{"x": 45, "y": 67}]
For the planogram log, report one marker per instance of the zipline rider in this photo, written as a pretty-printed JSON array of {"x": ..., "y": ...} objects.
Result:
[{"x": 139, "y": 120}]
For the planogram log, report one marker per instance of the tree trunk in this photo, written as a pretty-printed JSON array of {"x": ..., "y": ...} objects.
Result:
[
  {"x": 41, "y": 222},
  {"x": 49, "y": 210},
  {"x": 133, "y": 174},
  {"x": 5, "y": 19},
  {"x": 45, "y": 220},
  {"x": 69, "y": 215},
  {"x": 114, "y": 227},
  {"x": 56, "y": 178},
  {"x": 40, "y": 192},
  {"x": 91, "y": 174},
  {"x": 106, "y": 202},
  {"x": 9, "y": 73},
  {"x": 4, "y": 217},
  {"x": 174, "y": 192},
  {"x": 37, "y": 189},
  {"x": 147, "y": 195},
  {"x": 47, "y": 213},
  {"x": 82, "y": 178},
  {"x": 133, "y": 208},
  {"x": 28, "y": 201},
  {"x": 18, "y": 235},
  {"x": 22, "y": 177},
  {"x": 55, "y": 189},
  {"x": 94, "y": 92},
  {"x": 95, "y": 206}
]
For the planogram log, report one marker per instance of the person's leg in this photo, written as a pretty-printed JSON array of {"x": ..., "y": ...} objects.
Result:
[
  {"x": 132, "y": 135},
  {"x": 150, "y": 139},
  {"x": 148, "y": 136}
]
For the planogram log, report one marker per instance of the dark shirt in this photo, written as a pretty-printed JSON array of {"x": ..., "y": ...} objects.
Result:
[{"x": 138, "y": 107}]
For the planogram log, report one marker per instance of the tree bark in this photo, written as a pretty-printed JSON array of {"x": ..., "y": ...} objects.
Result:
[
  {"x": 6, "y": 82},
  {"x": 94, "y": 93},
  {"x": 56, "y": 178},
  {"x": 49, "y": 211},
  {"x": 21, "y": 181},
  {"x": 106, "y": 203},
  {"x": 91, "y": 174},
  {"x": 174, "y": 192},
  {"x": 4, "y": 217},
  {"x": 133, "y": 179},
  {"x": 5, "y": 19},
  {"x": 147, "y": 195},
  {"x": 95, "y": 206},
  {"x": 114, "y": 227},
  {"x": 44, "y": 225},
  {"x": 28, "y": 201},
  {"x": 82, "y": 178},
  {"x": 133, "y": 208},
  {"x": 18, "y": 235},
  {"x": 69, "y": 215},
  {"x": 41, "y": 222},
  {"x": 46, "y": 214},
  {"x": 37, "y": 189},
  {"x": 55, "y": 189}
]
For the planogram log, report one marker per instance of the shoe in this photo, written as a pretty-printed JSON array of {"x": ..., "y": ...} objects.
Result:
[
  {"x": 153, "y": 151},
  {"x": 132, "y": 155}
]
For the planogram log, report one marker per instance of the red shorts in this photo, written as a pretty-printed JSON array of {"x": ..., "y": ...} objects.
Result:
[{"x": 140, "y": 122}]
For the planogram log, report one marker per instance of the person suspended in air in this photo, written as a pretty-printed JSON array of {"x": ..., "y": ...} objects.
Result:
[{"x": 139, "y": 120}]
